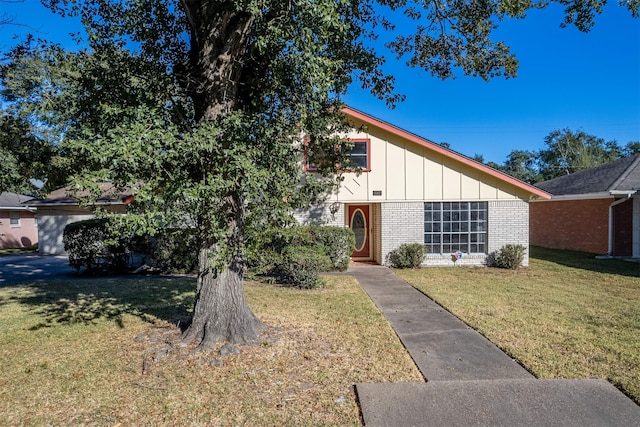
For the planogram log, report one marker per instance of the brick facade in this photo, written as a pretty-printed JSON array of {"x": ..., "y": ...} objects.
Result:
[
  {"x": 395, "y": 223},
  {"x": 508, "y": 224},
  {"x": 328, "y": 214},
  {"x": 401, "y": 222},
  {"x": 579, "y": 225}
]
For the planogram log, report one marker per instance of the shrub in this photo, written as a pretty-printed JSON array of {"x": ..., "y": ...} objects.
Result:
[
  {"x": 171, "y": 250},
  {"x": 97, "y": 246},
  {"x": 301, "y": 265},
  {"x": 269, "y": 247},
  {"x": 338, "y": 243},
  {"x": 510, "y": 256},
  {"x": 92, "y": 245},
  {"x": 407, "y": 255}
]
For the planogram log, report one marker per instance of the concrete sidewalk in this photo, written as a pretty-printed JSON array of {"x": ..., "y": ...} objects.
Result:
[{"x": 470, "y": 380}]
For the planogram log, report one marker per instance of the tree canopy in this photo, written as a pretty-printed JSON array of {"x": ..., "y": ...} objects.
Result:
[
  {"x": 200, "y": 107},
  {"x": 566, "y": 152}
]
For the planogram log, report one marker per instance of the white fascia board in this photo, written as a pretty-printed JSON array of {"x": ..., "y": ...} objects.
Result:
[{"x": 601, "y": 195}]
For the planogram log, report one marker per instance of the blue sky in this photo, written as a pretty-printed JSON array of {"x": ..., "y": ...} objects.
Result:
[{"x": 567, "y": 79}]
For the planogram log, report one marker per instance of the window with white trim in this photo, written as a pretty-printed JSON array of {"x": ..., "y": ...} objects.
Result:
[
  {"x": 359, "y": 154},
  {"x": 455, "y": 226},
  {"x": 14, "y": 218}
]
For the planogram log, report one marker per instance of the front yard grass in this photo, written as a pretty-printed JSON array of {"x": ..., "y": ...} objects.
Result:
[
  {"x": 102, "y": 352},
  {"x": 566, "y": 316}
]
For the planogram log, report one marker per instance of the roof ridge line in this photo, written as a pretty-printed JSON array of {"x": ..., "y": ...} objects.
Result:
[{"x": 625, "y": 173}]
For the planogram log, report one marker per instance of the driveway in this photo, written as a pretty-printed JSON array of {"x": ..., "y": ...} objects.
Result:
[{"x": 33, "y": 267}]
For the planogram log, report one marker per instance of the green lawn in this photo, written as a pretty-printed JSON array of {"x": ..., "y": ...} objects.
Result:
[
  {"x": 566, "y": 316},
  {"x": 102, "y": 352}
]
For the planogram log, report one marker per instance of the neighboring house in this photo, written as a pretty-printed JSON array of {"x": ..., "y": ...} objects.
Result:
[
  {"x": 61, "y": 208},
  {"x": 18, "y": 224},
  {"x": 596, "y": 210},
  {"x": 413, "y": 190}
]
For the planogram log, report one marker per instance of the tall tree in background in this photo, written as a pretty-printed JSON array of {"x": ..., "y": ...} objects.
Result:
[
  {"x": 199, "y": 107},
  {"x": 568, "y": 151},
  {"x": 522, "y": 164},
  {"x": 25, "y": 157}
]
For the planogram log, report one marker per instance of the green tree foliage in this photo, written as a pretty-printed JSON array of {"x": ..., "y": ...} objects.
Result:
[
  {"x": 199, "y": 108},
  {"x": 567, "y": 152},
  {"x": 23, "y": 155},
  {"x": 522, "y": 164}
]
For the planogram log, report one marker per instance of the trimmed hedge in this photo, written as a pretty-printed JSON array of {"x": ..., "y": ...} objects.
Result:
[
  {"x": 96, "y": 246},
  {"x": 301, "y": 264},
  {"x": 297, "y": 254}
]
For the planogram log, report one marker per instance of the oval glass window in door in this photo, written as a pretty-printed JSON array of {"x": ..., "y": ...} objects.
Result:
[{"x": 359, "y": 228}]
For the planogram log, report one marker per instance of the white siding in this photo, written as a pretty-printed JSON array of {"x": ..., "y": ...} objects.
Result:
[{"x": 404, "y": 170}]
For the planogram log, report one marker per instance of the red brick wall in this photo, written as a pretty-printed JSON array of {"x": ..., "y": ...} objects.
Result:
[{"x": 579, "y": 225}]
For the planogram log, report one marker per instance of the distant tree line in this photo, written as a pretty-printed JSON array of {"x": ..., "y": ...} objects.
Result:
[{"x": 566, "y": 152}]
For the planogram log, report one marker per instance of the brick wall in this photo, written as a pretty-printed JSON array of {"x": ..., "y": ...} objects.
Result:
[
  {"x": 580, "y": 225},
  {"x": 508, "y": 224},
  {"x": 376, "y": 232},
  {"x": 401, "y": 222},
  {"x": 321, "y": 214},
  {"x": 396, "y": 223}
]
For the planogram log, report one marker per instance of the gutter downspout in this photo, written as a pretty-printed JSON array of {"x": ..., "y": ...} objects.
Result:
[{"x": 611, "y": 206}]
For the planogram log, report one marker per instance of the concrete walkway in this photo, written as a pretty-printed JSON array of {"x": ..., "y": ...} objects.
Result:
[{"x": 469, "y": 380}]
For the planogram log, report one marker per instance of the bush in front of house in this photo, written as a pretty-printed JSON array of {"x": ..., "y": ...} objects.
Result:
[
  {"x": 298, "y": 254},
  {"x": 510, "y": 256},
  {"x": 301, "y": 264},
  {"x": 407, "y": 255},
  {"x": 338, "y": 243},
  {"x": 97, "y": 246},
  {"x": 91, "y": 245},
  {"x": 170, "y": 250}
]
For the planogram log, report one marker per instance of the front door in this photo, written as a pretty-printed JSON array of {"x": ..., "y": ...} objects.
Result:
[{"x": 360, "y": 225}]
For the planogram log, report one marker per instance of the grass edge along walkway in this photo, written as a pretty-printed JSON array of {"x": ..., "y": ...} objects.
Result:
[{"x": 568, "y": 315}]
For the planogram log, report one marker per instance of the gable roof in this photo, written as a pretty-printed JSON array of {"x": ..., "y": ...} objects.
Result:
[
  {"x": 66, "y": 197},
  {"x": 370, "y": 120},
  {"x": 13, "y": 200},
  {"x": 621, "y": 176}
]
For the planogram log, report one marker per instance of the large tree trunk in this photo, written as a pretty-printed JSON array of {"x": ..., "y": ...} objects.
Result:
[
  {"x": 219, "y": 41},
  {"x": 221, "y": 312}
]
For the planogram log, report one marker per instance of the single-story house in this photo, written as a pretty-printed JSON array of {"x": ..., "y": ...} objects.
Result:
[
  {"x": 596, "y": 210},
  {"x": 18, "y": 223},
  {"x": 61, "y": 208},
  {"x": 410, "y": 190}
]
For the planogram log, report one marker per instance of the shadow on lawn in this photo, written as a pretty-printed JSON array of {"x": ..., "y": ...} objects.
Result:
[
  {"x": 586, "y": 261},
  {"x": 86, "y": 300}
]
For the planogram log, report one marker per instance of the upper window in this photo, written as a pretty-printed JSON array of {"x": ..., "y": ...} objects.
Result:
[
  {"x": 455, "y": 226},
  {"x": 359, "y": 154},
  {"x": 359, "y": 157},
  {"x": 14, "y": 218}
]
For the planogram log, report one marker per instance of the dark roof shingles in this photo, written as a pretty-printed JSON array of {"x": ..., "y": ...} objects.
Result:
[{"x": 619, "y": 175}]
